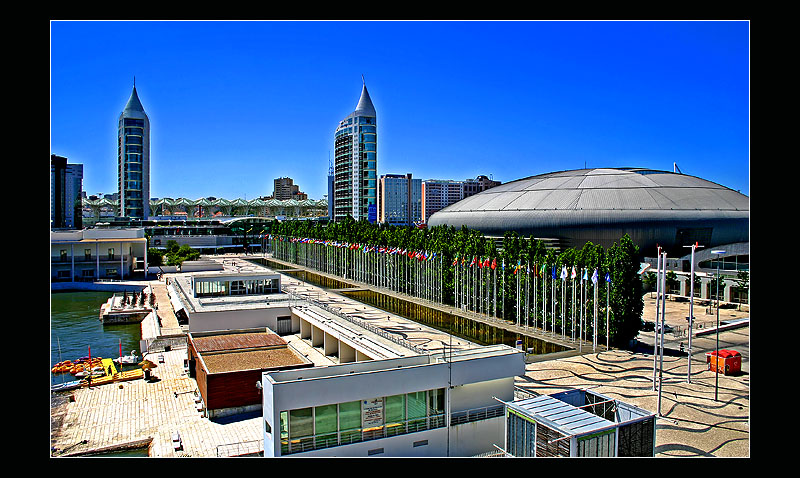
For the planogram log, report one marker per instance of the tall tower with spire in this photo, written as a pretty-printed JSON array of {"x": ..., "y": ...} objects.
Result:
[
  {"x": 355, "y": 165},
  {"x": 133, "y": 159}
]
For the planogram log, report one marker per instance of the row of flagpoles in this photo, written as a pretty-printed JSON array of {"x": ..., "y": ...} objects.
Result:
[
  {"x": 475, "y": 289},
  {"x": 415, "y": 273},
  {"x": 420, "y": 274}
]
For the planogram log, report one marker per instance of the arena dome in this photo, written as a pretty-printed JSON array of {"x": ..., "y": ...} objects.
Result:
[{"x": 570, "y": 208}]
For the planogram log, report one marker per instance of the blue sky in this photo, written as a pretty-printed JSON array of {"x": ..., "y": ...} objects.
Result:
[{"x": 234, "y": 104}]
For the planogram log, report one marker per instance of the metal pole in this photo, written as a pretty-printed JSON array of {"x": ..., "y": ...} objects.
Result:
[
  {"x": 655, "y": 323},
  {"x": 663, "y": 313}
]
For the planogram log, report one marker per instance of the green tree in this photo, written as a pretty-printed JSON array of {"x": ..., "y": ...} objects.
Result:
[{"x": 626, "y": 299}]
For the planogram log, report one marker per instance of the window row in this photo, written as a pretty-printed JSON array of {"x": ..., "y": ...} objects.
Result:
[{"x": 350, "y": 422}]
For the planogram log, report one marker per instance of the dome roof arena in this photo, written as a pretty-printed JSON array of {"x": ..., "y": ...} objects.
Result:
[{"x": 570, "y": 208}]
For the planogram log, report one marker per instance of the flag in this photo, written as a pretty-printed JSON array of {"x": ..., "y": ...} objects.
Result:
[
  {"x": 486, "y": 262},
  {"x": 543, "y": 271},
  {"x": 564, "y": 273},
  {"x": 473, "y": 261},
  {"x": 594, "y": 277},
  {"x": 554, "y": 273},
  {"x": 585, "y": 274},
  {"x": 455, "y": 261},
  {"x": 519, "y": 264},
  {"x": 608, "y": 277},
  {"x": 574, "y": 272},
  {"x": 494, "y": 263}
]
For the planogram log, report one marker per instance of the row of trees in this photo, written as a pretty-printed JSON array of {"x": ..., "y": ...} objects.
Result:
[{"x": 464, "y": 246}]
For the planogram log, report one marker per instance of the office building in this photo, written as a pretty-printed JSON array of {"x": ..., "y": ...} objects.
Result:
[
  {"x": 133, "y": 160},
  {"x": 400, "y": 200},
  {"x": 66, "y": 191},
  {"x": 437, "y": 194},
  {"x": 477, "y": 185},
  {"x": 286, "y": 189},
  {"x": 355, "y": 163}
]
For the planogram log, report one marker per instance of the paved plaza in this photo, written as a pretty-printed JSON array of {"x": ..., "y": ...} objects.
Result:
[{"x": 692, "y": 421}]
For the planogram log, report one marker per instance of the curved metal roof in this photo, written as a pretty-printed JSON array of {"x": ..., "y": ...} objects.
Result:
[
  {"x": 599, "y": 205},
  {"x": 604, "y": 190}
]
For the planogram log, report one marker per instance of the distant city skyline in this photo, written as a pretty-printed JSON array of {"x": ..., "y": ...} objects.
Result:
[{"x": 235, "y": 105}]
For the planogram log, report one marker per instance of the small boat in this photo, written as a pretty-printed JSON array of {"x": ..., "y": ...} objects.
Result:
[
  {"x": 131, "y": 359},
  {"x": 61, "y": 387},
  {"x": 95, "y": 373}
]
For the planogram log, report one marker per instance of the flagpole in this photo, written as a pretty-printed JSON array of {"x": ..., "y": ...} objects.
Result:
[
  {"x": 608, "y": 309},
  {"x": 655, "y": 324}
]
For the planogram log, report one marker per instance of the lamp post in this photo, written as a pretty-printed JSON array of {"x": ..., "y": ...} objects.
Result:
[{"x": 716, "y": 357}]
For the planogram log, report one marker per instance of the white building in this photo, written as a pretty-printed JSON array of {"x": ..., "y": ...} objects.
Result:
[
  {"x": 95, "y": 254},
  {"x": 369, "y": 392},
  {"x": 420, "y": 406}
]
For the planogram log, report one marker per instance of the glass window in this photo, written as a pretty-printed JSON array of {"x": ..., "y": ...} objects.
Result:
[
  {"x": 395, "y": 407},
  {"x": 416, "y": 410},
  {"x": 350, "y": 421},
  {"x": 325, "y": 425}
]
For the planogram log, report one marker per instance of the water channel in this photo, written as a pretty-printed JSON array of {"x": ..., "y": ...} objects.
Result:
[{"x": 458, "y": 325}]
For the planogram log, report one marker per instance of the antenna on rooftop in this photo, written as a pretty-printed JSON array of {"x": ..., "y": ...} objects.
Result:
[
  {"x": 362, "y": 80},
  {"x": 676, "y": 169}
]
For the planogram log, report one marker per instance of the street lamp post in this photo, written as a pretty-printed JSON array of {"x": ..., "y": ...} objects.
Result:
[{"x": 716, "y": 357}]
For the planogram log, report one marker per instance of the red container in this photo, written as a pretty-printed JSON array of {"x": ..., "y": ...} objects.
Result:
[{"x": 729, "y": 362}]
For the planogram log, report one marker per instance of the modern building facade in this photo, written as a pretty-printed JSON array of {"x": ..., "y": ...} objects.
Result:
[
  {"x": 437, "y": 194},
  {"x": 66, "y": 191},
  {"x": 433, "y": 405},
  {"x": 400, "y": 200},
  {"x": 133, "y": 160},
  {"x": 355, "y": 163}
]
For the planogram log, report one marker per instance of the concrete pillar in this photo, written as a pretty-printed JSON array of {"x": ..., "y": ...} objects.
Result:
[
  {"x": 346, "y": 353},
  {"x": 330, "y": 345},
  {"x": 305, "y": 329},
  {"x": 317, "y": 337}
]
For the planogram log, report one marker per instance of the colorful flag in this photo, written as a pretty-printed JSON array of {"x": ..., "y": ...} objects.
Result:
[
  {"x": 585, "y": 274},
  {"x": 473, "y": 261},
  {"x": 574, "y": 272},
  {"x": 564, "y": 273},
  {"x": 594, "y": 277},
  {"x": 494, "y": 263},
  {"x": 608, "y": 277},
  {"x": 554, "y": 273}
]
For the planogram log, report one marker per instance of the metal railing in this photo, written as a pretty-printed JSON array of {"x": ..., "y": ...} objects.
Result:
[
  {"x": 251, "y": 447},
  {"x": 360, "y": 323},
  {"x": 476, "y": 414},
  {"x": 327, "y": 440}
]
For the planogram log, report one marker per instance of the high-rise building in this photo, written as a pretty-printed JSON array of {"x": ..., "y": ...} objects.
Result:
[
  {"x": 355, "y": 163},
  {"x": 400, "y": 200},
  {"x": 285, "y": 188},
  {"x": 66, "y": 191},
  {"x": 438, "y": 194},
  {"x": 133, "y": 160},
  {"x": 477, "y": 185}
]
